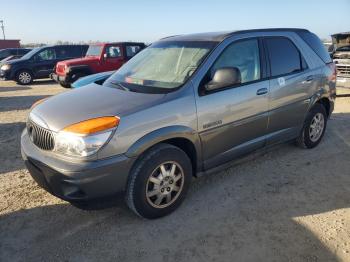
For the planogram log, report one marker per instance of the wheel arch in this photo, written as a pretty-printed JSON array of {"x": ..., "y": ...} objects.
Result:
[{"x": 182, "y": 137}]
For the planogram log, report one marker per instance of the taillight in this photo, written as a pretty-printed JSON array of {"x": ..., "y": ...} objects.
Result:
[{"x": 333, "y": 68}]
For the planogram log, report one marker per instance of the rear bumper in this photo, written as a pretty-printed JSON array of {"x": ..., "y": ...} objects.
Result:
[
  {"x": 343, "y": 82},
  {"x": 80, "y": 181}
]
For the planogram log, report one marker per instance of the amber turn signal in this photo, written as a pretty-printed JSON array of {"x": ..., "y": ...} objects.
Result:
[{"x": 93, "y": 125}]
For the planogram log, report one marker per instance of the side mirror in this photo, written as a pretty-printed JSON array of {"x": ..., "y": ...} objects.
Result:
[
  {"x": 224, "y": 77},
  {"x": 105, "y": 56}
]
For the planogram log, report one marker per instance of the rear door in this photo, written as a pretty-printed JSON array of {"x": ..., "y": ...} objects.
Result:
[
  {"x": 112, "y": 59},
  {"x": 290, "y": 83},
  {"x": 44, "y": 62}
]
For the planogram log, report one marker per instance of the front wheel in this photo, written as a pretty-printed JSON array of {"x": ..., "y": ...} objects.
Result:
[
  {"x": 159, "y": 181},
  {"x": 314, "y": 127},
  {"x": 24, "y": 77},
  {"x": 65, "y": 85}
]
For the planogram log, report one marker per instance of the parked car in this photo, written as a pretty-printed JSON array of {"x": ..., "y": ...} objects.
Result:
[
  {"x": 98, "y": 78},
  {"x": 341, "y": 57},
  {"x": 13, "y": 52},
  {"x": 99, "y": 58},
  {"x": 3, "y": 61},
  {"x": 185, "y": 106},
  {"x": 39, "y": 63}
]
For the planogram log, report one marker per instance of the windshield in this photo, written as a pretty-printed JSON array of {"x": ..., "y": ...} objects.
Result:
[
  {"x": 344, "y": 48},
  {"x": 163, "y": 65},
  {"x": 94, "y": 50},
  {"x": 31, "y": 53}
]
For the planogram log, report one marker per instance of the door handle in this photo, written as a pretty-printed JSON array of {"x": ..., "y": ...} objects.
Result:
[
  {"x": 261, "y": 91},
  {"x": 308, "y": 79}
]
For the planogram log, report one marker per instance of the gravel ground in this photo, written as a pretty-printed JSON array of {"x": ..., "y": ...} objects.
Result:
[{"x": 287, "y": 204}]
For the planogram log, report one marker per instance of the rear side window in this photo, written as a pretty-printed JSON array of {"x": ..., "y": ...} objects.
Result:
[
  {"x": 316, "y": 45},
  {"x": 132, "y": 50},
  {"x": 63, "y": 52},
  {"x": 284, "y": 57}
]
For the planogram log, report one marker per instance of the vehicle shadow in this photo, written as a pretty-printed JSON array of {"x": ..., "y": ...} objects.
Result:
[
  {"x": 14, "y": 88},
  {"x": 14, "y": 103},
  {"x": 251, "y": 212},
  {"x": 10, "y": 152}
]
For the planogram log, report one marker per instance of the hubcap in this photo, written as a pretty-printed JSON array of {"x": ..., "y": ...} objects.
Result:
[
  {"x": 316, "y": 127},
  {"x": 24, "y": 77},
  {"x": 164, "y": 184}
]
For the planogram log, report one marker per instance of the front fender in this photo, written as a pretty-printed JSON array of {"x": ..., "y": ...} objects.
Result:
[{"x": 163, "y": 134}]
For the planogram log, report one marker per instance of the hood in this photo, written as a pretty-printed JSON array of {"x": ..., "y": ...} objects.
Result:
[
  {"x": 80, "y": 61},
  {"x": 16, "y": 61},
  {"x": 90, "y": 102}
]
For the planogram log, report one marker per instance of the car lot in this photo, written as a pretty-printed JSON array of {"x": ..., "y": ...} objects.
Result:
[{"x": 289, "y": 204}]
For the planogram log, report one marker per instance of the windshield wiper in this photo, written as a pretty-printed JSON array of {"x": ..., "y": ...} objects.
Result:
[{"x": 120, "y": 86}]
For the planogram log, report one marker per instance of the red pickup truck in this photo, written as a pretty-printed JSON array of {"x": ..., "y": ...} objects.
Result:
[{"x": 100, "y": 57}]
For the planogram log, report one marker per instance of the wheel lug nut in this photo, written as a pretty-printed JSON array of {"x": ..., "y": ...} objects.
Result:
[
  {"x": 162, "y": 190},
  {"x": 168, "y": 189},
  {"x": 171, "y": 181}
]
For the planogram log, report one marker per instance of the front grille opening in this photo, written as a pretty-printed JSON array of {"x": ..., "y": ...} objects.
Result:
[{"x": 40, "y": 136}]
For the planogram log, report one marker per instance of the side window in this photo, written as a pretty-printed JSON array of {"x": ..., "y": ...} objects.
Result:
[
  {"x": 113, "y": 51},
  {"x": 284, "y": 57},
  {"x": 132, "y": 50},
  {"x": 63, "y": 52},
  {"x": 243, "y": 55},
  {"x": 45, "y": 55}
]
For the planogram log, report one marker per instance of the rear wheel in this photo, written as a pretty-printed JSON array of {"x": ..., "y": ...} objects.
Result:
[
  {"x": 159, "y": 181},
  {"x": 24, "y": 77},
  {"x": 65, "y": 85},
  {"x": 314, "y": 127}
]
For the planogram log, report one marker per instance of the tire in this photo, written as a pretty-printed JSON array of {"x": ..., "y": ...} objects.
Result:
[
  {"x": 146, "y": 185},
  {"x": 307, "y": 138},
  {"x": 24, "y": 77},
  {"x": 65, "y": 85},
  {"x": 76, "y": 76}
]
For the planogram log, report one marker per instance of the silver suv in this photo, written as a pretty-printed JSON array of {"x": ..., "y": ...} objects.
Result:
[{"x": 182, "y": 107}]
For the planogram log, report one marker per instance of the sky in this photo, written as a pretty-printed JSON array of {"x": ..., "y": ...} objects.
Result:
[{"x": 36, "y": 21}]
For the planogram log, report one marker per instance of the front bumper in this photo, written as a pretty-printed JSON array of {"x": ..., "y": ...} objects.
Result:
[
  {"x": 5, "y": 75},
  {"x": 343, "y": 82},
  {"x": 60, "y": 79},
  {"x": 75, "y": 181}
]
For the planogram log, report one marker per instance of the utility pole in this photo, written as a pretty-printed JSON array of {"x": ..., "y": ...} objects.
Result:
[{"x": 3, "y": 28}]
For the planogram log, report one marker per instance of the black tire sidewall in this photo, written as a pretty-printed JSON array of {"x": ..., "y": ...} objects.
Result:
[
  {"x": 317, "y": 108},
  {"x": 21, "y": 71},
  {"x": 143, "y": 170}
]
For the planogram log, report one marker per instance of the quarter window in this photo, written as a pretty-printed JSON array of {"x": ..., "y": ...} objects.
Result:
[
  {"x": 132, "y": 50},
  {"x": 284, "y": 57},
  {"x": 243, "y": 55}
]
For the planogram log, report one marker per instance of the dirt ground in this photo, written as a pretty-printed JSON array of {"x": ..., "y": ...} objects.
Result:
[{"x": 287, "y": 204}]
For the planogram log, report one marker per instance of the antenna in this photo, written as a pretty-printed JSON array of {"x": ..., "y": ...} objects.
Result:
[{"x": 3, "y": 28}]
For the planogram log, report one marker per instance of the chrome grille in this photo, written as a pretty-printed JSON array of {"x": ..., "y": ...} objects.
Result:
[
  {"x": 40, "y": 136},
  {"x": 343, "y": 70}
]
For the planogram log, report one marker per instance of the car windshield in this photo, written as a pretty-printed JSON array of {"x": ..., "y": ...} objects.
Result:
[
  {"x": 162, "y": 66},
  {"x": 31, "y": 53},
  {"x": 344, "y": 48},
  {"x": 94, "y": 50}
]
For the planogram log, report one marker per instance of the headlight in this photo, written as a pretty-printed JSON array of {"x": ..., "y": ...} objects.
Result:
[
  {"x": 85, "y": 138},
  {"x": 79, "y": 146},
  {"x": 5, "y": 67}
]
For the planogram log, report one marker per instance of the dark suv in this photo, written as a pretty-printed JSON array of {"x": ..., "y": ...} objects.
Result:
[{"x": 39, "y": 63}]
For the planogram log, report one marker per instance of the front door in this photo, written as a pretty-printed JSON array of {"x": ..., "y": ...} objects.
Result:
[
  {"x": 113, "y": 58},
  {"x": 233, "y": 120},
  {"x": 44, "y": 62}
]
